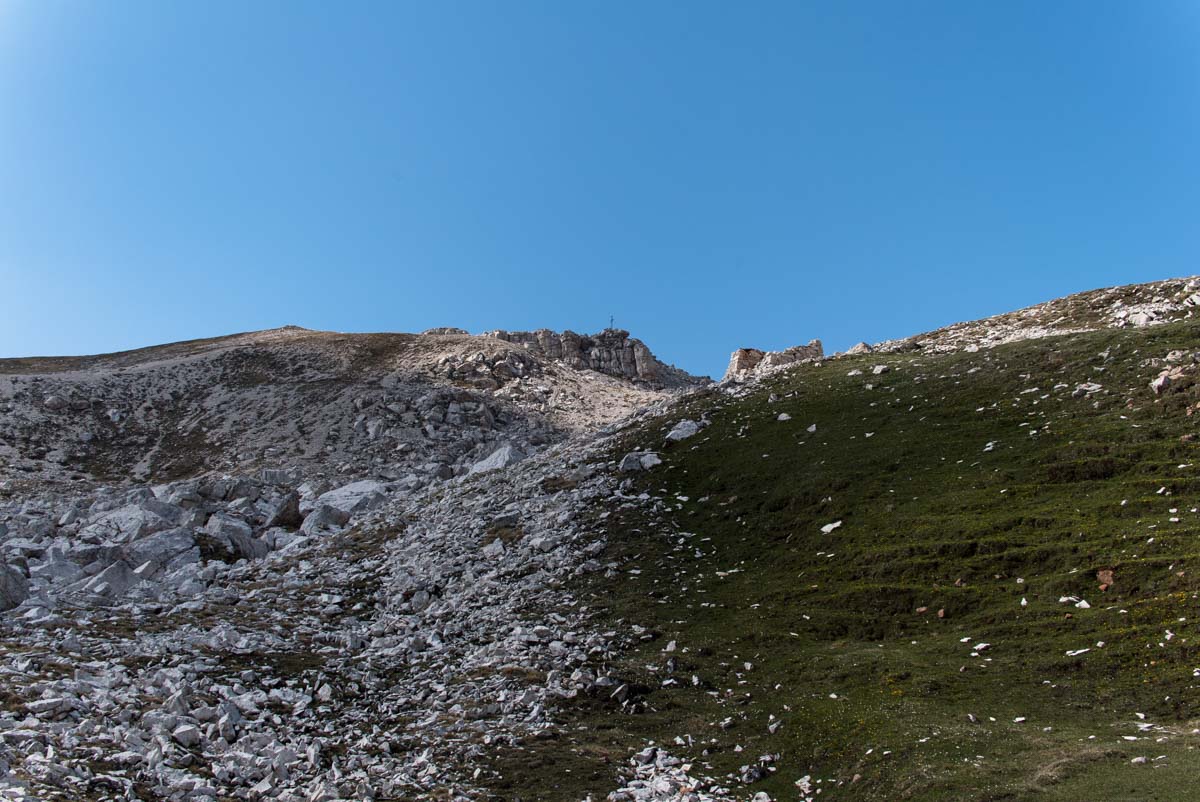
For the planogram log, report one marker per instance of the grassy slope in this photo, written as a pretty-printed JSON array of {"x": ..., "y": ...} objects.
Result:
[{"x": 866, "y": 686}]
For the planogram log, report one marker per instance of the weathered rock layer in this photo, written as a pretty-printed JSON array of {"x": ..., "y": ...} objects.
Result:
[
  {"x": 748, "y": 363},
  {"x": 612, "y": 351}
]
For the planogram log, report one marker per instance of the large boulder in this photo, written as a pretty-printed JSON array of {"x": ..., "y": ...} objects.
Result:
[
  {"x": 127, "y": 523},
  {"x": 502, "y": 457},
  {"x": 285, "y": 512},
  {"x": 324, "y": 518},
  {"x": 223, "y": 526},
  {"x": 356, "y": 496},
  {"x": 639, "y": 461},
  {"x": 236, "y": 535},
  {"x": 14, "y": 587},
  {"x": 683, "y": 430},
  {"x": 168, "y": 512},
  {"x": 111, "y": 583},
  {"x": 57, "y": 571},
  {"x": 168, "y": 549}
]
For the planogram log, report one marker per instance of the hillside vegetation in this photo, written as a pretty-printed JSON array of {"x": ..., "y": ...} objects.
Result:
[{"x": 1007, "y": 609}]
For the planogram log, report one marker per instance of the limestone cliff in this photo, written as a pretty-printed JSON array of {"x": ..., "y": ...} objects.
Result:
[{"x": 612, "y": 351}]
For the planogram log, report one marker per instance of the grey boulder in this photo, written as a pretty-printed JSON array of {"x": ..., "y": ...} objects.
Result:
[
  {"x": 639, "y": 461},
  {"x": 168, "y": 549},
  {"x": 683, "y": 430},
  {"x": 14, "y": 587},
  {"x": 236, "y": 535},
  {"x": 285, "y": 512},
  {"x": 356, "y": 496},
  {"x": 324, "y": 518},
  {"x": 126, "y": 523},
  {"x": 500, "y": 458}
]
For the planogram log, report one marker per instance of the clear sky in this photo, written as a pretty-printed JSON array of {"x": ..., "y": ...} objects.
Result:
[{"x": 713, "y": 174}]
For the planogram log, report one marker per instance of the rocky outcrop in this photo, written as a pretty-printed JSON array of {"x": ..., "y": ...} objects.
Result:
[
  {"x": 743, "y": 361},
  {"x": 747, "y": 363},
  {"x": 612, "y": 351}
]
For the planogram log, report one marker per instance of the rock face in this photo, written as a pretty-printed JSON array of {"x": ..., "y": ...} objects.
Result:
[
  {"x": 612, "y": 352},
  {"x": 743, "y": 361},
  {"x": 747, "y": 363}
]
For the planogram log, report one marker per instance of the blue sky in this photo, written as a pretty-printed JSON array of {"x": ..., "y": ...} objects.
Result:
[{"x": 715, "y": 175}]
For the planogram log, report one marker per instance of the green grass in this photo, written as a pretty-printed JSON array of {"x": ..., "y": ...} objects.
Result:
[{"x": 874, "y": 689}]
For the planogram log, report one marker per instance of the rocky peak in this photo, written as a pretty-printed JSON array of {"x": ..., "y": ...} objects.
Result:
[{"x": 611, "y": 351}]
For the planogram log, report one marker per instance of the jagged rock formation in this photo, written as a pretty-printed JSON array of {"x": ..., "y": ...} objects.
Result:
[
  {"x": 747, "y": 363},
  {"x": 612, "y": 352}
]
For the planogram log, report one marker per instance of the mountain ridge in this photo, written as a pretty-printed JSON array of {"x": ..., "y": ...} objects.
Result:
[{"x": 954, "y": 566}]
